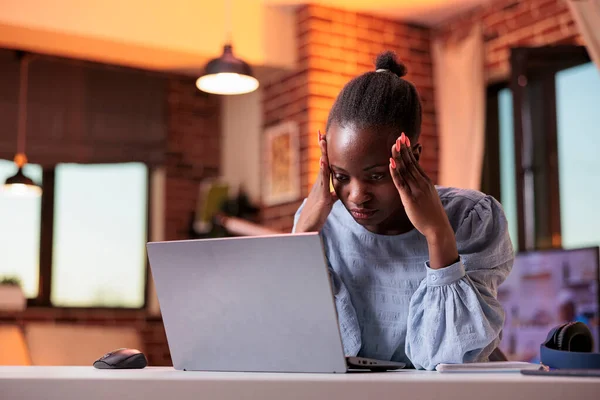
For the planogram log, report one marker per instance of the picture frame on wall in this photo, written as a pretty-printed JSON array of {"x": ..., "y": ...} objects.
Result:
[{"x": 281, "y": 165}]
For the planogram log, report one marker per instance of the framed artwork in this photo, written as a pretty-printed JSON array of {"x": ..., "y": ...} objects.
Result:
[{"x": 281, "y": 164}]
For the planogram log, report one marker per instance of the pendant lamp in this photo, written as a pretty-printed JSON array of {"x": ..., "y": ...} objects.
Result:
[
  {"x": 20, "y": 184},
  {"x": 227, "y": 75}
]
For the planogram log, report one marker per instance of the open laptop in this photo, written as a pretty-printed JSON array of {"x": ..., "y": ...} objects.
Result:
[{"x": 252, "y": 304}]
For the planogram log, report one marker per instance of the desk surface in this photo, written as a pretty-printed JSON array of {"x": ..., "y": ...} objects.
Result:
[{"x": 166, "y": 383}]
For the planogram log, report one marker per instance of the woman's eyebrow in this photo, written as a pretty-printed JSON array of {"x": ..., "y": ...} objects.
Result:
[
  {"x": 364, "y": 169},
  {"x": 375, "y": 166}
]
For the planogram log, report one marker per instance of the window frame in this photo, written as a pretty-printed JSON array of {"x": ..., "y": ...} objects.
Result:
[
  {"x": 490, "y": 176},
  {"x": 532, "y": 84},
  {"x": 46, "y": 244}
]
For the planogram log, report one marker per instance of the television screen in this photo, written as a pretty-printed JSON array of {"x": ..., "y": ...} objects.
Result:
[{"x": 547, "y": 288}]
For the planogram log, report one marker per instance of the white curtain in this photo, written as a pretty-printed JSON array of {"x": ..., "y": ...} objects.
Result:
[
  {"x": 586, "y": 14},
  {"x": 460, "y": 106}
]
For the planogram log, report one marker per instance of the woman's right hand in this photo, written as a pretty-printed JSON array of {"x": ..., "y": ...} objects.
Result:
[{"x": 320, "y": 200}]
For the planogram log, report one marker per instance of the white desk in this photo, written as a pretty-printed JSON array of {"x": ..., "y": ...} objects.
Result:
[{"x": 63, "y": 383}]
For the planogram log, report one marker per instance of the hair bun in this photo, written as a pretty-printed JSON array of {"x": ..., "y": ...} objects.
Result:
[{"x": 387, "y": 60}]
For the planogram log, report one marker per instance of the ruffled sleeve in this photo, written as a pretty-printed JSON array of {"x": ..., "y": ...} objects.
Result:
[{"x": 454, "y": 315}]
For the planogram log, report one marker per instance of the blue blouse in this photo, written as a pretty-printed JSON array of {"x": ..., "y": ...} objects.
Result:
[{"x": 392, "y": 306}]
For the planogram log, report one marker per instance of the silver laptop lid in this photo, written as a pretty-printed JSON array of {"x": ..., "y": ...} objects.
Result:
[{"x": 248, "y": 304}]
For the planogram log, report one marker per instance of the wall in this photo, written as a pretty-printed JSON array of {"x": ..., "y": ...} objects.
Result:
[
  {"x": 511, "y": 23},
  {"x": 151, "y": 329},
  {"x": 333, "y": 47},
  {"x": 82, "y": 112},
  {"x": 192, "y": 153},
  {"x": 194, "y": 142},
  {"x": 175, "y": 36},
  {"x": 241, "y": 122}
]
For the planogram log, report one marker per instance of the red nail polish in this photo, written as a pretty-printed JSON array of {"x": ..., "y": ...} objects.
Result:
[
  {"x": 407, "y": 141},
  {"x": 403, "y": 138},
  {"x": 393, "y": 162},
  {"x": 398, "y": 144},
  {"x": 320, "y": 137}
]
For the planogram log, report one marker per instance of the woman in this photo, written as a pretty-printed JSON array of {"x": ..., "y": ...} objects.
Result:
[{"x": 415, "y": 268}]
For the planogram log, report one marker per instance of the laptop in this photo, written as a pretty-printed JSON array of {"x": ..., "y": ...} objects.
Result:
[{"x": 251, "y": 304}]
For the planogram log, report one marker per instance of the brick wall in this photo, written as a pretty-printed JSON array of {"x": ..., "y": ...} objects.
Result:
[
  {"x": 192, "y": 154},
  {"x": 334, "y": 46},
  {"x": 151, "y": 329},
  {"x": 511, "y": 23},
  {"x": 193, "y": 151}
]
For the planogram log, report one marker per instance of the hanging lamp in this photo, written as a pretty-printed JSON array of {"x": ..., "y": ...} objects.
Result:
[
  {"x": 227, "y": 75},
  {"x": 20, "y": 184}
]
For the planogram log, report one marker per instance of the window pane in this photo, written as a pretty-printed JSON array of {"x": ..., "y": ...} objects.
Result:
[
  {"x": 577, "y": 104},
  {"x": 20, "y": 231},
  {"x": 99, "y": 257},
  {"x": 508, "y": 185}
]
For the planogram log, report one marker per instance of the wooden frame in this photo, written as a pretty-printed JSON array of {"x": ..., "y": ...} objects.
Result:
[
  {"x": 46, "y": 243},
  {"x": 532, "y": 82},
  {"x": 490, "y": 175},
  {"x": 281, "y": 165}
]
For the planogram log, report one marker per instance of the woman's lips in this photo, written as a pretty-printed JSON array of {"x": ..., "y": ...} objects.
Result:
[{"x": 362, "y": 213}]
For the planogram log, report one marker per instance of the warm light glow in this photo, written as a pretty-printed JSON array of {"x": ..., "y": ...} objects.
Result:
[
  {"x": 22, "y": 190},
  {"x": 20, "y": 159},
  {"x": 227, "y": 83}
]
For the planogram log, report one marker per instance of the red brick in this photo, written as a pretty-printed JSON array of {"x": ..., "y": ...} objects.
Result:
[
  {"x": 334, "y": 46},
  {"x": 190, "y": 116},
  {"x": 512, "y": 23},
  {"x": 302, "y": 14}
]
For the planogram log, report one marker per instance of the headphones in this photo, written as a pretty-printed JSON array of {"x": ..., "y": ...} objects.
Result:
[{"x": 570, "y": 346}]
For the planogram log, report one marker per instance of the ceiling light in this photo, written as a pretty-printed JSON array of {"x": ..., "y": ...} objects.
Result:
[
  {"x": 19, "y": 184},
  {"x": 227, "y": 74}
]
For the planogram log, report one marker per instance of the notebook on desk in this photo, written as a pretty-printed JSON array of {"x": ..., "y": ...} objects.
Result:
[
  {"x": 248, "y": 304},
  {"x": 494, "y": 366}
]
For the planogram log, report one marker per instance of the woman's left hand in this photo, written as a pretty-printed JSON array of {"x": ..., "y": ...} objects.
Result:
[{"x": 422, "y": 204}]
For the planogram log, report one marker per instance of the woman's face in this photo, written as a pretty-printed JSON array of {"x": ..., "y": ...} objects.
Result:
[{"x": 359, "y": 159}]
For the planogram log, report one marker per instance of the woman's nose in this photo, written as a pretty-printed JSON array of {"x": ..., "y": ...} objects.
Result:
[{"x": 359, "y": 193}]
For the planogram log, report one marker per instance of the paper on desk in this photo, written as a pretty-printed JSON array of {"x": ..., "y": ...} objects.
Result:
[{"x": 494, "y": 366}]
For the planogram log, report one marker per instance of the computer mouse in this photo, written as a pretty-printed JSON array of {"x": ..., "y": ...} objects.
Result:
[{"x": 122, "y": 359}]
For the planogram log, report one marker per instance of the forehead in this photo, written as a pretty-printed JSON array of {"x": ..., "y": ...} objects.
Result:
[{"x": 354, "y": 144}]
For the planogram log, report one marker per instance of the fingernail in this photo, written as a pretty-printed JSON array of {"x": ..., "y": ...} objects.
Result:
[
  {"x": 320, "y": 137},
  {"x": 407, "y": 141},
  {"x": 393, "y": 162},
  {"x": 398, "y": 144},
  {"x": 403, "y": 138}
]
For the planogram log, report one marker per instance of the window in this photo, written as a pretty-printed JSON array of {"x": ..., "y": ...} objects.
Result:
[
  {"x": 498, "y": 177},
  {"x": 83, "y": 243},
  {"x": 20, "y": 231},
  {"x": 100, "y": 214},
  {"x": 541, "y": 146},
  {"x": 508, "y": 194},
  {"x": 577, "y": 106}
]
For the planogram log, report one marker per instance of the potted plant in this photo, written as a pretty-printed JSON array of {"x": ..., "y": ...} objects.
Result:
[{"x": 11, "y": 294}]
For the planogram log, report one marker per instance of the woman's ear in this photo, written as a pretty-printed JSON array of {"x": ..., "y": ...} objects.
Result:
[{"x": 416, "y": 150}]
